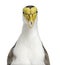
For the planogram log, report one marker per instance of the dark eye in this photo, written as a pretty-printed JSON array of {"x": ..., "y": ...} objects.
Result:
[
  {"x": 23, "y": 12},
  {"x": 36, "y": 11}
]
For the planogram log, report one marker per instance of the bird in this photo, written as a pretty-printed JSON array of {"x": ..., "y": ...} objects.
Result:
[{"x": 29, "y": 49}]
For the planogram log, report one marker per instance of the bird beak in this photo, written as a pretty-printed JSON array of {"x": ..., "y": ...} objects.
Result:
[{"x": 31, "y": 19}]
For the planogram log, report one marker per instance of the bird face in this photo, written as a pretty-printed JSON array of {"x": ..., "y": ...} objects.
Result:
[{"x": 30, "y": 14}]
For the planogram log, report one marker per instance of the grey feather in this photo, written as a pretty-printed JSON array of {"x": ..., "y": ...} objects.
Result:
[
  {"x": 46, "y": 58},
  {"x": 11, "y": 56}
]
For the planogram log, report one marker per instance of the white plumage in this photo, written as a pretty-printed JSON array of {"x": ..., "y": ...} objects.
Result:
[{"x": 28, "y": 49}]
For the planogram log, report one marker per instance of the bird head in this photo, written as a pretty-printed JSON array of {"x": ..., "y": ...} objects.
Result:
[{"x": 30, "y": 15}]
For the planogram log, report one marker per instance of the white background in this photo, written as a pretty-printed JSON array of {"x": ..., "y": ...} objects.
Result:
[{"x": 48, "y": 26}]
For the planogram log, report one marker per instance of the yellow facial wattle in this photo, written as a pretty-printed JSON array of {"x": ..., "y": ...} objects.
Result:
[{"x": 30, "y": 13}]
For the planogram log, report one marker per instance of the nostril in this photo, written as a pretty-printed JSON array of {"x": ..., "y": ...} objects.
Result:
[{"x": 31, "y": 22}]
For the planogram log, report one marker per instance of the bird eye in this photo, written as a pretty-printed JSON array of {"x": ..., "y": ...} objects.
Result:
[
  {"x": 23, "y": 12},
  {"x": 36, "y": 11}
]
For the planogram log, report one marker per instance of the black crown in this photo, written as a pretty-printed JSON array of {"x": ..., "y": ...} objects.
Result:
[{"x": 30, "y": 6}]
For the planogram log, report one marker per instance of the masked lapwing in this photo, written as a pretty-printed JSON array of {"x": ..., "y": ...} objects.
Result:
[{"x": 29, "y": 49}]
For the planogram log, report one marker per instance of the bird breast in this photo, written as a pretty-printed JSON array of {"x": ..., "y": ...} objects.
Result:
[{"x": 29, "y": 51}]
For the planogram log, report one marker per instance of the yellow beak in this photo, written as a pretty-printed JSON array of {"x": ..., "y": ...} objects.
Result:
[{"x": 31, "y": 18}]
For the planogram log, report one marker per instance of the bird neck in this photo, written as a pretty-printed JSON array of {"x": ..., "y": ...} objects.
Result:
[{"x": 30, "y": 31}]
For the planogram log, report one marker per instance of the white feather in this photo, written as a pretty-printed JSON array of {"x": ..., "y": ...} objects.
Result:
[{"x": 28, "y": 50}]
